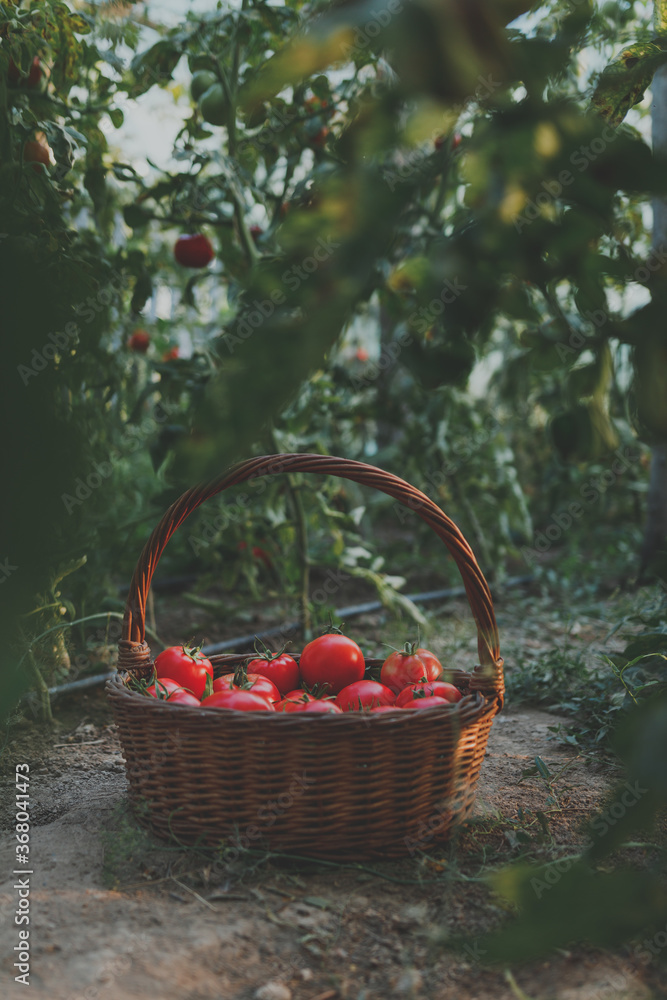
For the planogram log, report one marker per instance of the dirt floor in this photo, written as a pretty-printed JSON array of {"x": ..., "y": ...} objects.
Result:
[{"x": 114, "y": 915}]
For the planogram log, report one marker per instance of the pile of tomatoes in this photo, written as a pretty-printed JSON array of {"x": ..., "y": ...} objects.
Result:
[{"x": 331, "y": 677}]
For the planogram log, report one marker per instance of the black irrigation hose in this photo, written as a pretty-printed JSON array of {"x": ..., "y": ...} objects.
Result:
[{"x": 340, "y": 613}]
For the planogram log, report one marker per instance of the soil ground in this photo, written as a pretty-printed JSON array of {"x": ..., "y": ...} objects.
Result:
[{"x": 115, "y": 915}]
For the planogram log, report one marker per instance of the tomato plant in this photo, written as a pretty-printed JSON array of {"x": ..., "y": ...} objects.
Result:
[
  {"x": 195, "y": 250},
  {"x": 332, "y": 659},
  {"x": 440, "y": 688},
  {"x": 364, "y": 694},
  {"x": 242, "y": 701},
  {"x": 243, "y": 681},
  {"x": 410, "y": 665},
  {"x": 187, "y": 666}
]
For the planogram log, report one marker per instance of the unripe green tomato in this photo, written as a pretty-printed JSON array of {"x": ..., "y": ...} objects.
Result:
[
  {"x": 200, "y": 83},
  {"x": 213, "y": 105}
]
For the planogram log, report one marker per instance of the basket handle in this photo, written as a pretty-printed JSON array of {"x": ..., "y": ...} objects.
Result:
[{"x": 134, "y": 653}]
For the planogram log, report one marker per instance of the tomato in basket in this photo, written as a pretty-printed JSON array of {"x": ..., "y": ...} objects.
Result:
[
  {"x": 319, "y": 706},
  {"x": 248, "y": 682},
  {"x": 440, "y": 688},
  {"x": 429, "y": 702},
  {"x": 410, "y": 665},
  {"x": 278, "y": 667},
  {"x": 295, "y": 700},
  {"x": 363, "y": 695},
  {"x": 187, "y": 666},
  {"x": 333, "y": 660},
  {"x": 243, "y": 701},
  {"x": 166, "y": 689}
]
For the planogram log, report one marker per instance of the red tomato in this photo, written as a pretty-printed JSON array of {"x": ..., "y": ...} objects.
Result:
[
  {"x": 440, "y": 688},
  {"x": 430, "y": 702},
  {"x": 166, "y": 689},
  {"x": 187, "y": 667},
  {"x": 384, "y": 708},
  {"x": 409, "y": 666},
  {"x": 332, "y": 659},
  {"x": 257, "y": 684},
  {"x": 364, "y": 694},
  {"x": 281, "y": 669},
  {"x": 256, "y": 232},
  {"x": 193, "y": 251},
  {"x": 361, "y": 354},
  {"x": 171, "y": 354},
  {"x": 320, "y": 705},
  {"x": 293, "y": 701},
  {"x": 242, "y": 701},
  {"x": 139, "y": 341}
]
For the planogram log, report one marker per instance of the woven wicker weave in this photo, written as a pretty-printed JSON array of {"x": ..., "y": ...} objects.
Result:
[{"x": 379, "y": 785}]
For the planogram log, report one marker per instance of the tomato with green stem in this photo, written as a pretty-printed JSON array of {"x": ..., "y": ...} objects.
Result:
[
  {"x": 167, "y": 689},
  {"x": 279, "y": 667},
  {"x": 440, "y": 688},
  {"x": 187, "y": 666},
  {"x": 332, "y": 659},
  {"x": 410, "y": 665},
  {"x": 363, "y": 695},
  {"x": 241, "y": 701},
  {"x": 243, "y": 681},
  {"x": 295, "y": 700}
]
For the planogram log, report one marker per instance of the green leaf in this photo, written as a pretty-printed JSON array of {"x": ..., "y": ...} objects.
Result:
[
  {"x": 154, "y": 66},
  {"x": 117, "y": 117},
  {"x": 623, "y": 83}
]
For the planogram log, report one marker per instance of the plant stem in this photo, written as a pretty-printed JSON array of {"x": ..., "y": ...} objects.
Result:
[{"x": 42, "y": 688}]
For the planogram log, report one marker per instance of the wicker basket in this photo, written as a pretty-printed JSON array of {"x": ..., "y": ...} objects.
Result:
[{"x": 330, "y": 786}]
